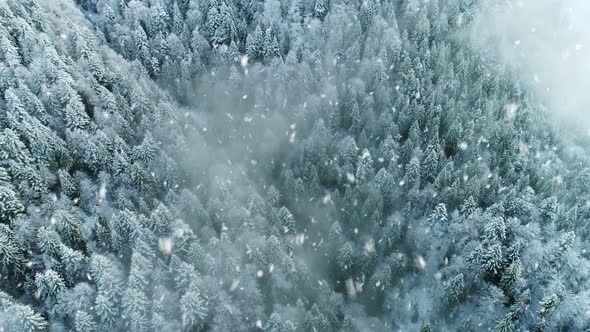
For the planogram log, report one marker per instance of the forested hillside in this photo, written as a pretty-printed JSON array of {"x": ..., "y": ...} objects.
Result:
[{"x": 280, "y": 165}]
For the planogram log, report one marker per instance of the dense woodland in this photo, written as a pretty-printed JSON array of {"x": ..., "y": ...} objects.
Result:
[{"x": 279, "y": 165}]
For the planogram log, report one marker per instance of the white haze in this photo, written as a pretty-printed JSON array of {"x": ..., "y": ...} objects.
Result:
[{"x": 547, "y": 43}]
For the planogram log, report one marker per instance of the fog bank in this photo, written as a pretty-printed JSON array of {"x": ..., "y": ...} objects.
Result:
[{"x": 547, "y": 43}]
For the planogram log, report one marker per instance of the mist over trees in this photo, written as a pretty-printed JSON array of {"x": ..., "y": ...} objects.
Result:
[{"x": 280, "y": 165}]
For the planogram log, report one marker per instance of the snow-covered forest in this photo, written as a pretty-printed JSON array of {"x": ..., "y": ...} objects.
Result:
[{"x": 288, "y": 166}]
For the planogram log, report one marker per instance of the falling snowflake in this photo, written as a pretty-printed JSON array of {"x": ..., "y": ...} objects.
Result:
[
  {"x": 102, "y": 192},
  {"x": 165, "y": 245},
  {"x": 420, "y": 263},
  {"x": 350, "y": 288},
  {"x": 299, "y": 239},
  {"x": 235, "y": 283},
  {"x": 350, "y": 177},
  {"x": 292, "y": 137},
  {"x": 244, "y": 61}
]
